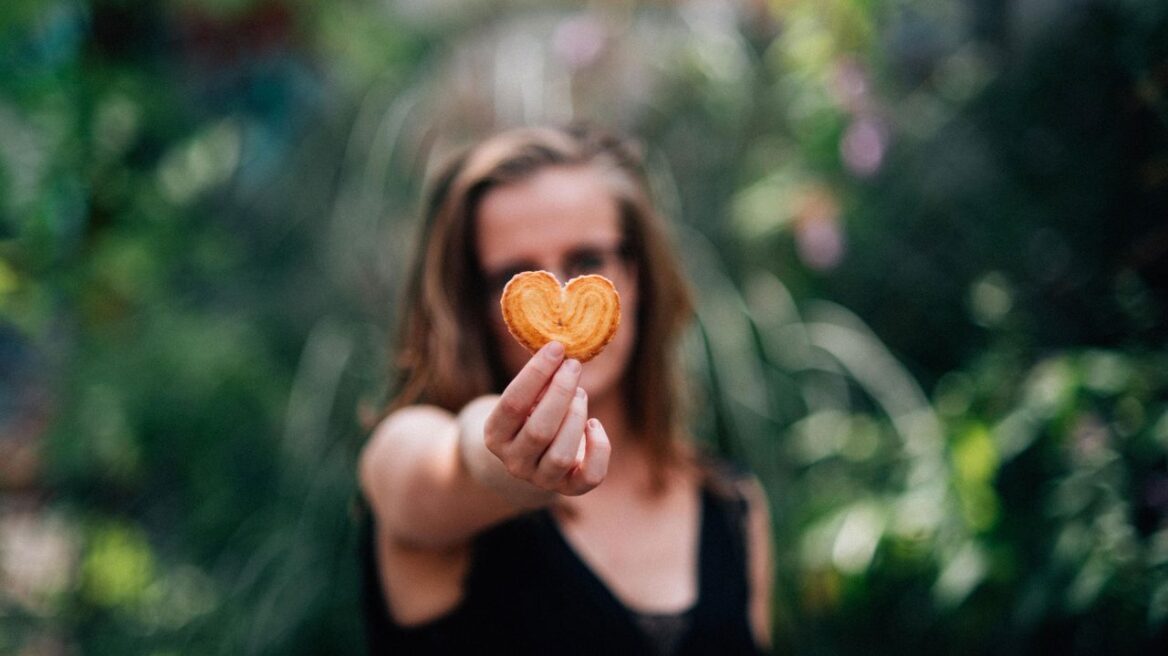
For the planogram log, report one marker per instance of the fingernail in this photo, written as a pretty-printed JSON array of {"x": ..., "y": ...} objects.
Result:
[
  {"x": 573, "y": 365},
  {"x": 593, "y": 423},
  {"x": 580, "y": 394},
  {"x": 554, "y": 350}
]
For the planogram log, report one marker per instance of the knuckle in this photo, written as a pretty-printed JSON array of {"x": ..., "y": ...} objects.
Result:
[
  {"x": 541, "y": 481},
  {"x": 577, "y": 488},
  {"x": 559, "y": 462},
  {"x": 490, "y": 432},
  {"x": 546, "y": 368},
  {"x": 577, "y": 415},
  {"x": 564, "y": 384},
  {"x": 591, "y": 479},
  {"x": 510, "y": 405},
  {"x": 493, "y": 437},
  {"x": 540, "y": 434},
  {"x": 515, "y": 467},
  {"x": 493, "y": 445}
]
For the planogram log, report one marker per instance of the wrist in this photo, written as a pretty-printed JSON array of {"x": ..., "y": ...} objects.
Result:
[{"x": 485, "y": 468}]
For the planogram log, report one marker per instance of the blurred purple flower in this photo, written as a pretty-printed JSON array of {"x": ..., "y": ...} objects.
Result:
[
  {"x": 1089, "y": 437},
  {"x": 850, "y": 86},
  {"x": 818, "y": 237},
  {"x": 863, "y": 146}
]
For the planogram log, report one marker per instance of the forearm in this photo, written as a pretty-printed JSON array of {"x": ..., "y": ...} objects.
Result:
[
  {"x": 427, "y": 483},
  {"x": 485, "y": 468}
]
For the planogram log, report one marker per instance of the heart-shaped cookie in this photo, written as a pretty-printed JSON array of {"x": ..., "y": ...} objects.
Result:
[{"x": 582, "y": 315}]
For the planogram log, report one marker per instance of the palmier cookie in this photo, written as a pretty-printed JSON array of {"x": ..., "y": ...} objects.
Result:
[{"x": 582, "y": 315}]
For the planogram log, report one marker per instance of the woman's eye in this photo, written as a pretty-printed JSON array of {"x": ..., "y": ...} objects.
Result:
[
  {"x": 499, "y": 280},
  {"x": 585, "y": 263}
]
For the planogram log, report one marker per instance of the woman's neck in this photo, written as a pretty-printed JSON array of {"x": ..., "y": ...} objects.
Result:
[
  {"x": 627, "y": 447},
  {"x": 612, "y": 411},
  {"x": 630, "y": 464}
]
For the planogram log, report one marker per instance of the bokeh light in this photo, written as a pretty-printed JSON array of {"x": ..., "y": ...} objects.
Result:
[{"x": 927, "y": 239}]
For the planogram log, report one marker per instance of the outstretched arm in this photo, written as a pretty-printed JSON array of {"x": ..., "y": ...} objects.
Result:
[
  {"x": 420, "y": 492},
  {"x": 435, "y": 479}
]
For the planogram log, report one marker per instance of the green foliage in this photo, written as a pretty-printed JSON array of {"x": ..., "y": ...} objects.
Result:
[{"x": 205, "y": 209}]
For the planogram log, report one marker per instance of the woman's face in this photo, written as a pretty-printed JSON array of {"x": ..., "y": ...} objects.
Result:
[{"x": 564, "y": 220}]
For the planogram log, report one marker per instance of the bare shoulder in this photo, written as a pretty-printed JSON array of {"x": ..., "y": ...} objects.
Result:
[
  {"x": 409, "y": 455},
  {"x": 408, "y": 421},
  {"x": 405, "y": 430},
  {"x": 404, "y": 459}
]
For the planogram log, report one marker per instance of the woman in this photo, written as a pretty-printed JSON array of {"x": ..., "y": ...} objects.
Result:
[{"x": 528, "y": 504}]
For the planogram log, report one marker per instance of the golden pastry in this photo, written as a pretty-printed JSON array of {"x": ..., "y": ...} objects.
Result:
[{"x": 582, "y": 315}]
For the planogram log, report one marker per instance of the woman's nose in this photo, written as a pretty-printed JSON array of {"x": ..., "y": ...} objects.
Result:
[{"x": 559, "y": 270}]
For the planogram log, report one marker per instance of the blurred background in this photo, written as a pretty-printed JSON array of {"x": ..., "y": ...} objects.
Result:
[{"x": 930, "y": 241}]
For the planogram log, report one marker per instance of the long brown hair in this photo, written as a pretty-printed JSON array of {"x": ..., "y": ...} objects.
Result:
[{"x": 447, "y": 356}]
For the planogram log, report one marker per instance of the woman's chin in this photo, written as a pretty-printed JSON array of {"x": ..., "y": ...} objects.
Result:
[{"x": 600, "y": 377}]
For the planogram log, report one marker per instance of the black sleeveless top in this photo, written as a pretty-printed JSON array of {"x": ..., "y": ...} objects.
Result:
[{"x": 528, "y": 592}]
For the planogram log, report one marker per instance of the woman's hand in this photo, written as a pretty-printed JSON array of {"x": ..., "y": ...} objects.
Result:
[
  {"x": 538, "y": 423},
  {"x": 436, "y": 480}
]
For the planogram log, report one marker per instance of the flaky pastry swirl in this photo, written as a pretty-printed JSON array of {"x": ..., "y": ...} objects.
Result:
[{"x": 583, "y": 315}]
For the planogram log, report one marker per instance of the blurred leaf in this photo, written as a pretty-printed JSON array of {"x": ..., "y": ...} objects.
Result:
[{"x": 117, "y": 567}]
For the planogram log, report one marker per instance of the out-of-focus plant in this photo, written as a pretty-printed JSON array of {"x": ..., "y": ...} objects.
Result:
[
  {"x": 160, "y": 183},
  {"x": 1021, "y": 508},
  {"x": 205, "y": 207}
]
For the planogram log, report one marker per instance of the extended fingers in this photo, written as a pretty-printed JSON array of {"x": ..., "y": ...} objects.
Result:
[
  {"x": 541, "y": 428},
  {"x": 591, "y": 471},
  {"x": 560, "y": 457},
  {"x": 521, "y": 396}
]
